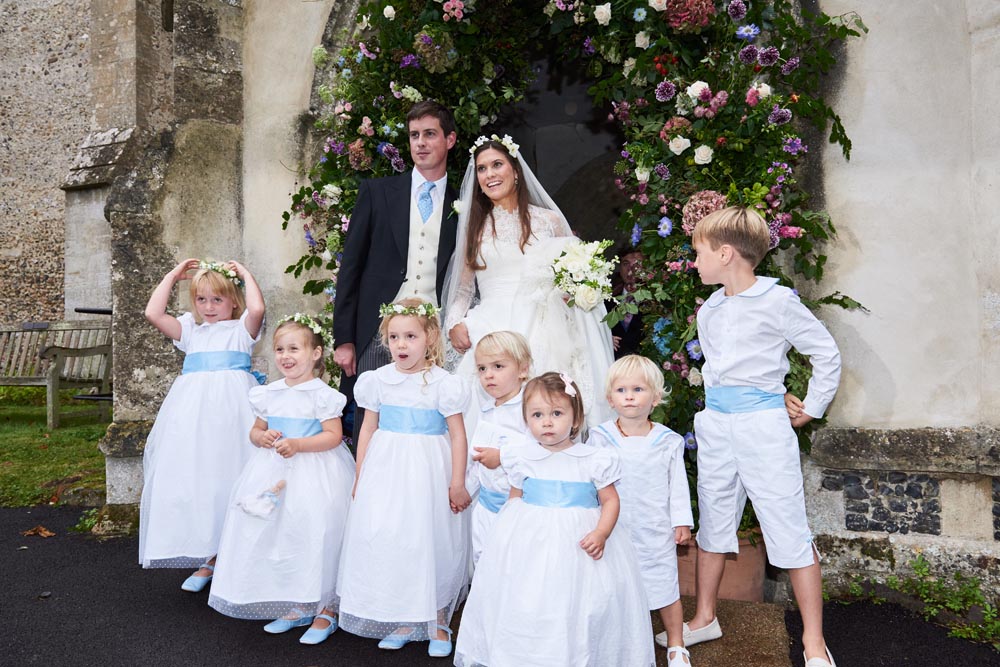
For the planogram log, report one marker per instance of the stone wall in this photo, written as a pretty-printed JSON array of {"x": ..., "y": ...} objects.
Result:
[{"x": 46, "y": 108}]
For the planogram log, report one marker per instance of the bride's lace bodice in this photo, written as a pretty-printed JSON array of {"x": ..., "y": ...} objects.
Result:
[{"x": 501, "y": 253}]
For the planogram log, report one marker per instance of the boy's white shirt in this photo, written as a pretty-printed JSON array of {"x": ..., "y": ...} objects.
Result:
[
  {"x": 746, "y": 337},
  {"x": 497, "y": 426},
  {"x": 607, "y": 435}
]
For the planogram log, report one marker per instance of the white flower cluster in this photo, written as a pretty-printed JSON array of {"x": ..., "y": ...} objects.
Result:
[
  {"x": 506, "y": 141},
  {"x": 314, "y": 326},
  {"x": 221, "y": 269},
  {"x": 583, "y": 272},
  {"x": 421, "y": 310}
]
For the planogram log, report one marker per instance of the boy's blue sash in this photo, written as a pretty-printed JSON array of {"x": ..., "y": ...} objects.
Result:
[
  {"x": 417, "y": 421},
  {"x": 741, "y": 399},
  {"x": 556, "y": 493},
  {"x": 492, "y": 500}
]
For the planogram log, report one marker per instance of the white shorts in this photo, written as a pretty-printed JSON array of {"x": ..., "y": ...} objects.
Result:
[{"x": 755, "y": 454}]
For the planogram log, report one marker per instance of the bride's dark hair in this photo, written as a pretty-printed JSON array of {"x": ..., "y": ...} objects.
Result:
[{"x": 482, "y": 206}]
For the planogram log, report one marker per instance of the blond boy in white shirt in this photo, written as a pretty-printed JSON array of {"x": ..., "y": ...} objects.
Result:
[{"x": 746, "y": 443}]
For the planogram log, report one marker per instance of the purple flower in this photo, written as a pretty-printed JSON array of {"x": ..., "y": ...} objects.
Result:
[
  {"x": 690, "y": 442},
  {"x": 774, "y": 230},
  {"x": 335, "y": 147},
  {"x": 662, "y": 171},
  {"x": 694, "y": 349},
  {"x": 790, "y": 66},
  {"x": 794, "y": 146},
  {"x": 636, "y": 235},
  {"x": 665, "y": 227},
  {"x": 426, "y": 39},
  {"x": 398, "y": 164},
  {"x": 768, "y": 56},
  {"x": 665, "y": 91},
  {"x": 748, "y": 54},
  {"x": 365, "y": 52},
  {"x": 309, "y": 238},
  {"x": 625, "y": 154},
  {"x": 747, "y": 32},
  {"x": 588, "y": 47},
  {"x": 737, "y": 10},
  {"x": 409, "y": 60},
  {"x": 779, "y": 116}
]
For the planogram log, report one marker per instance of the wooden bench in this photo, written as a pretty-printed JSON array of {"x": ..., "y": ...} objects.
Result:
[{"x": 57, "y": 355}]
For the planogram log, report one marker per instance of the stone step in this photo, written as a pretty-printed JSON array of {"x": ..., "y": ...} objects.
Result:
[{"x": 754, "y": 635}]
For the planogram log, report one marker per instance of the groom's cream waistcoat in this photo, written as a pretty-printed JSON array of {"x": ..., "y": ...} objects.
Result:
[{"x": 421, "y": 256}]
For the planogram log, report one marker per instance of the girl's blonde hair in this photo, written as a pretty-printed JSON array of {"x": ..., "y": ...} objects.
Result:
[
  {"x": 552, "y": 386},
  {"x": 434, "y": 354},
  {"x": 218, "y": 284},
  {"x": 634, "y": 364},
  {"x": 314, "y": 339},
  {"x": 506, "y": 344}
]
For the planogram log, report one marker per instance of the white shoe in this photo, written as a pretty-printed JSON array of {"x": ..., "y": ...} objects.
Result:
[
  {"x": 676, "y": 657},
  {"x": 708, "y": 633},
  {"x": 820, "y": 662}
]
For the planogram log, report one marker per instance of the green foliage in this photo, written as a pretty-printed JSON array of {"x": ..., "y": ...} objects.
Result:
[
  {"x": 962, "y": 596},
  {"x": 88, "y": 519}
]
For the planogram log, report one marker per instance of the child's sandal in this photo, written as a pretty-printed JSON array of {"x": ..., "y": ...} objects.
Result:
[
  {"x": 440, "y": 648},
  {"x": 196, "y": 584},
  {"x": 678, "y": 656}
]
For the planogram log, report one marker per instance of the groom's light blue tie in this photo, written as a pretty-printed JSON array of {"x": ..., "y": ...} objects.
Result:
[{"x": 424, "y": 203}]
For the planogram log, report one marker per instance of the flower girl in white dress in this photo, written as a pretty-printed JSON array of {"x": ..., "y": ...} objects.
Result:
[
  {"x": 406, "y": 552},
  {"x": 280, "y": 547},
  {"x": 555, "y": 585},
  {"x": 198, "y": 444}
]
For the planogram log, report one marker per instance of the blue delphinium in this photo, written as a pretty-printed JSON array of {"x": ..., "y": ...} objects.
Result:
[
  {"x": 636, "y": 235},
  {"x": 639, "y": 14},
  {"x": 689, "y": 441},
  {"x": 747, "y": 32},
  {"x": 694, "y": 349},
  {"x": 665, "y": 227}
]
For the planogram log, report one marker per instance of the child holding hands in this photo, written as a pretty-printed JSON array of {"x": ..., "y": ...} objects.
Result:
[
  {"x": 406, "y": 556},
  {"x": 503, "y": 361},
  {"x": 555, "y": 585},
  {"x": 655, "y": 500},
  {"x": 281, "y": 543},
  {"x": 198, "y": 444},
  {"x": 746, "y": 444}
]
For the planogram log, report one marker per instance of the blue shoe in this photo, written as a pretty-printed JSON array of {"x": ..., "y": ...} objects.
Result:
[
  {"x": 279, "y": 625},
  {"x": 317, "y": 635},
  {"x": 195, "y": 584},
  {"x": 397, "y": 640},
  {"x": 440, "y": 648}
]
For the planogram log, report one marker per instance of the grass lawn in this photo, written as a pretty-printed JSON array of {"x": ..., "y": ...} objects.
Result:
[{"x": 41, "y": 466}]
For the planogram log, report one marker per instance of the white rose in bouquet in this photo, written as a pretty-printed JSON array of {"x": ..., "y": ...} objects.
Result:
[{"x": 587, "y": 297}]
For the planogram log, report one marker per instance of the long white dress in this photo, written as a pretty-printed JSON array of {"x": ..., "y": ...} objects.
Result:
[
  {"x": 537, "y": 597},
  {"x": 517, "y": 293},
  {"x": 405, "y": 561},
  {"x": 655, "y": 499},
  {"x": 197, "y": 446},
  {"x": 280, "y": 549}
]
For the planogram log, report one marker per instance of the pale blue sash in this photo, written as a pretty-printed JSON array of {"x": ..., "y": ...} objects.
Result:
[
  {"x": 741, "y": 399},
  {"x": 416, "y": 421},
  {"x": 223, "y": 360},
  {"x": 492, "y": 500},
  {"x": 557, "y": 493},
  {"x": 294, "y": 427}
]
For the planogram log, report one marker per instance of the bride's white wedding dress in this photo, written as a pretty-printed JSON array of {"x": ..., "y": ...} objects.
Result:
[{"x": 517, "y": 293}]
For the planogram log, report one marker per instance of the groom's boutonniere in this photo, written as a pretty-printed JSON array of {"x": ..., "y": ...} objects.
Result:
[{"x": 456, "y": 207}]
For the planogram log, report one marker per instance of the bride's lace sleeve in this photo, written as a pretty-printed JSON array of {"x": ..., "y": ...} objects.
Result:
[
  {"x": 546, "y": 223},
  {"x": 460, "y": 293}
]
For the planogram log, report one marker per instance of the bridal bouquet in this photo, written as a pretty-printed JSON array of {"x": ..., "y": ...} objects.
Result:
[{"x": 584, "y": 273}]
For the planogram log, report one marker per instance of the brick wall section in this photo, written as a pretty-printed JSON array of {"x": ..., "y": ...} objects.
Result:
[{"x": 45, "y": 110}]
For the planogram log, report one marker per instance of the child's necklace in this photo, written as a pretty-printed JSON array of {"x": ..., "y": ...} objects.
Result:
[{"x": 618, "y": 425}]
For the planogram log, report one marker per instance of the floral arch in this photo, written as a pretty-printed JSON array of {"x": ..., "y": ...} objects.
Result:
[{"x": 715, "y": 99}]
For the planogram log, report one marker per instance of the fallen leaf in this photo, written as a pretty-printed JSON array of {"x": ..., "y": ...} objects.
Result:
[
  {"x": 39, "y": 530},
  {"x": 7, "y": 464}
]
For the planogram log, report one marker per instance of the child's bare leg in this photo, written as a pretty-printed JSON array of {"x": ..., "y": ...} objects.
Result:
[
  {"x": 673, "y": 622},
  {"x": 204, "y": 571},
  {"x": 708, "y": 576},
  {"x": 321, "y": 623},
  {"x": 442, "y": 622},
  {"x": 807, "y": 583}
]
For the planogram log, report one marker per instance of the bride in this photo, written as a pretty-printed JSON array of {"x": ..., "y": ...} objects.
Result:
[{"x": 509, "y": 233}]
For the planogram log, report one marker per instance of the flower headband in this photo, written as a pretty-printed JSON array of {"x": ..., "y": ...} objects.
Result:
[
  {"x": 420, "y": 310},
  {"x": 314, "y": 326},
  {"x": 568, "y": 381},
  {"x": 507, "y": 142},
  {"x": 221, "y": 269}
]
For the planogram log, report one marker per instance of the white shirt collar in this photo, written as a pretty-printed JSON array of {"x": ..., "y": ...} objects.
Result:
[
  {"x": 302, "y": 386},
  {"x": 391, "y": 375},
  {"x": 487, "y": 402},
  {"x": 536, "y": 452},
  {"x": 761, "y": 286},
  {"x": 417, "y": 181}
]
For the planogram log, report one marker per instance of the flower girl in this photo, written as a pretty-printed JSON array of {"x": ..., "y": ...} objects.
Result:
[
  {"x": 406, "y": 555},
  {"x": 280, "y": 547},
  {"x": 198, "y": 444},
  {"x": 555, "y": 585}
]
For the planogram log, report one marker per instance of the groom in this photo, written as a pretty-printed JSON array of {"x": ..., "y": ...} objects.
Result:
[{"x": 399, "y": 242}]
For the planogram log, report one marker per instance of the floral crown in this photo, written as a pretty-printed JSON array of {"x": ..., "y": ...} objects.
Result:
[
  {"x": 314, "y": 326},
  {"x": 507, "y": 142},
  {"x": 420, "y": 310},
  {"x": 221, "y": 269}
]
